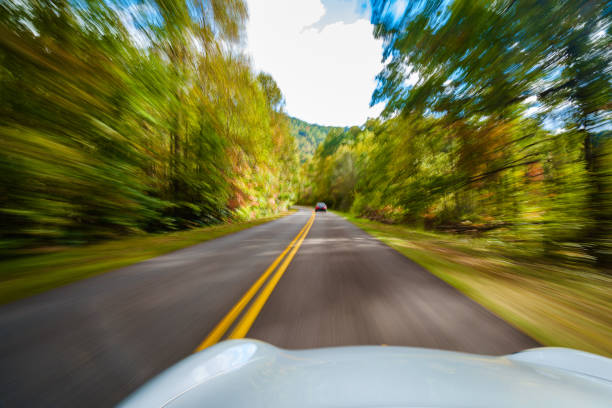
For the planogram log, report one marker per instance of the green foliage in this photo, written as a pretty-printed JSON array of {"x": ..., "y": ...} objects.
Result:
[
  {"x": 455, "y": 148},
  {"x": 512, "y": 181},
  {"x": 116, "y": 118},
  {"x": 308, "y": 136},
  {"x": 332, "y": 173}
]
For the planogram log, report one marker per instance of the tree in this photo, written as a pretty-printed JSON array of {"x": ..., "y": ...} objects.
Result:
[
  {"x": 119, "y": 117},
  {"x": 474, "y": 64}
]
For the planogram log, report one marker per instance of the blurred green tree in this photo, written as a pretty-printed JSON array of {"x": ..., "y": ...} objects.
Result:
[{"x": 118, "y": 117}]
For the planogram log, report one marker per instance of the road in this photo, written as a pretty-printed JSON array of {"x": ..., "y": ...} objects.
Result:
[{"x": 93, "y": 342}]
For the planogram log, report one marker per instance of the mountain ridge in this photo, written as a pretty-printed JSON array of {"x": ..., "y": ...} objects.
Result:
[{"x": 308, "y": 136}]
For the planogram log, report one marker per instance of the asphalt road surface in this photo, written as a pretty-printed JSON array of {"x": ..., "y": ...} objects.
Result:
[{"x": 93, "y": 342}]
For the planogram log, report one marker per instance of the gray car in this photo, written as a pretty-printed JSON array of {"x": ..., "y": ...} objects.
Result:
[{"x": 248, "y": 373}]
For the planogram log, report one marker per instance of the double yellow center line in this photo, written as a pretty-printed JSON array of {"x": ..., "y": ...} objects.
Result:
[{"x": 247, "y": 320}]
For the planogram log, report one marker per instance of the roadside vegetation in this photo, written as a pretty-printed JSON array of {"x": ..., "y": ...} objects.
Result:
[
  {"x": 497, "y": 123},
  {"x": 123, "y": 124},
  {"x": 42, "y": 270},
  {"x": 557, "y": 305},
  {"x": 308, "y": 136},
  {"x": 121, "y": 118}
]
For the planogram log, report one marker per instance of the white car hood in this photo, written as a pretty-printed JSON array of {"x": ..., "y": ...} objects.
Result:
[{"x": 248, "y": 373}]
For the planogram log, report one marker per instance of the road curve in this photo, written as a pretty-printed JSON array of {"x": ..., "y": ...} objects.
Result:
[{"x": 93, "y": 342}]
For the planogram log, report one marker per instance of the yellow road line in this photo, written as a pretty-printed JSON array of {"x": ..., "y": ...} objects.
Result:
[
  {"x": 220, "y": 329},
  {"x": 251, "y": 314}
]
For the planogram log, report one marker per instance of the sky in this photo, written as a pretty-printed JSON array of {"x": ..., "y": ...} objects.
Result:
[{"x": 322, "y": 54}]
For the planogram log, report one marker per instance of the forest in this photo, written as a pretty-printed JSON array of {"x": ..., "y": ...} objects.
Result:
[
  {"x": 122, "y": 117},
  {"x": 497, "y": 123},
  {"x": 128, "y": 117},
  {"x": 308, "y": 136}
]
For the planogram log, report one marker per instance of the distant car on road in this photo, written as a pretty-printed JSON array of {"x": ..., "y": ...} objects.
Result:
[
  {"x": 321, "y": 207},
  {"x": 250, "y": 373}
]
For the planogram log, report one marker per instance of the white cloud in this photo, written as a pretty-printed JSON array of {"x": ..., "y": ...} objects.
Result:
[{"x": 327, "y": 75}]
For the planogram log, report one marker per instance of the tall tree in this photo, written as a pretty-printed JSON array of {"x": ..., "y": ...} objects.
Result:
[{"x": 475, "y": 63}]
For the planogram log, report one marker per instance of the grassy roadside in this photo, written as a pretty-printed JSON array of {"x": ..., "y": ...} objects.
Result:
[
  {"x": 26, "y": 276},
  {"x": 558, "y": 305}
]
